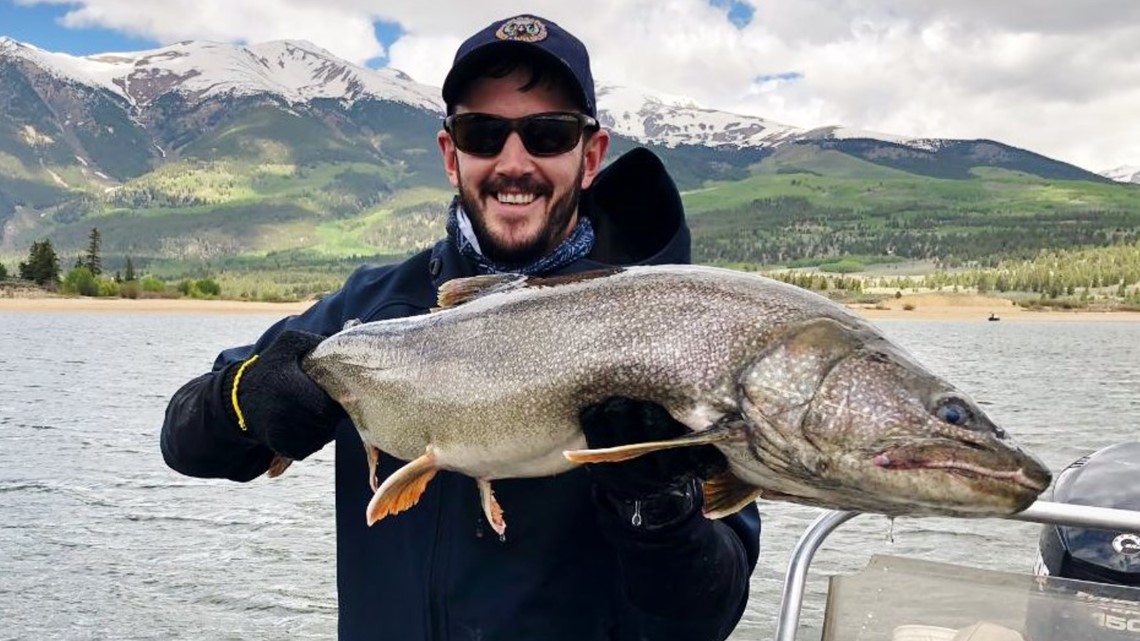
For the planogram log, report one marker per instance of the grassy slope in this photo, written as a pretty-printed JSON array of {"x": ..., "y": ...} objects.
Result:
[
  {"x": 826, "y": 205},
  {"x": 271, "y": 213},
  {"x": 840, "y": 183}
]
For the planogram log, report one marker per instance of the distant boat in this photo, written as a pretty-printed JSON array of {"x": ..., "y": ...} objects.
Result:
[{"x": 993, "y": 317}]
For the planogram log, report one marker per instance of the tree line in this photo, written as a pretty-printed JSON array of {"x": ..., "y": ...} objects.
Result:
[
  {"x": 42, "y": 266},
  {"x": 1083, "y": 273},
  {"x": 1079, "y": 274},
  {"x": 87, "y": 278},
  {"x": 780, "y": 230}
]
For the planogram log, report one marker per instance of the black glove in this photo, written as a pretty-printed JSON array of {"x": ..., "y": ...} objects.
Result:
[
  {"x": 277, "y": 403},
  {"x": 655, "y": 489}
]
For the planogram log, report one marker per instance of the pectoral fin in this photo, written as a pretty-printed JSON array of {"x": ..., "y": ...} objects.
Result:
[
  {"x": 403, "y": 488},
  {"x": 726, "y": 494},
  {"x": 491, "y": 508},
  {"x": 278, "y": 465},
  {"x": 373, "y": 455},
  {"x": 721, "y": 431}
]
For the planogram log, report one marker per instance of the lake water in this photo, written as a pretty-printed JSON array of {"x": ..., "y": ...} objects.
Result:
[{"x": 99, "y": 540}]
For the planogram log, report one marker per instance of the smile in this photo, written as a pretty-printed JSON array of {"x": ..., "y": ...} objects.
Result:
[{"x": 515, "y": 199}]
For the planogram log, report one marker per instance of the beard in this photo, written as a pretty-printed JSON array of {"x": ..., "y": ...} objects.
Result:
[{"x": 548, "y": 236}]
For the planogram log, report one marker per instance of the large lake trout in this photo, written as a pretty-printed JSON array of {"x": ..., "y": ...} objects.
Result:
[{"x": 807, "y": 402}]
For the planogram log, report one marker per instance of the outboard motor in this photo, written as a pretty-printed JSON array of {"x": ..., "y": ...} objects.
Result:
[{"x": 1107, "y": 606}]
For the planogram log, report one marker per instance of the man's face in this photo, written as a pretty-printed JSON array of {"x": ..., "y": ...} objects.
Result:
[{"x": 521, "y": 206}]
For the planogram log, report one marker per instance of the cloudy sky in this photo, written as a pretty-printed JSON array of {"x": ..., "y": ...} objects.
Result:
[{"x": 1059, "y": 77}]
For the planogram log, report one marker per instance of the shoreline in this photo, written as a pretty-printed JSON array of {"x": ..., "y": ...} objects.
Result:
[
  {"x": 925, "y": 307},
  {"x": 83, "y": 304},
  {"x": 1017, "y": 315}
]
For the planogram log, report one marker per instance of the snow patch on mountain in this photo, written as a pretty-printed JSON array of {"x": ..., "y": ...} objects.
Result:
[
  {"x": 1124, "y": 174},
  {"x": 845, "y": 133},
  {"x": 68, "y": 68},
  {"x": 671, "y": 120},
  {"x": 296, "y": 71},
  {"x": 676, "y": 120}
]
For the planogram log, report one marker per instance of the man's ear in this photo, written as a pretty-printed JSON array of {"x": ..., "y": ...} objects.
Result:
[
  {"x": 450, "y": 156},
  {"x": 593, "y": 155}
]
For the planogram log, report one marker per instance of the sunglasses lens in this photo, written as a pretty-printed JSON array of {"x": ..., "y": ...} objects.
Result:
[
  {"x": 542, "y": 135},
  {"x": 480, "y": 135},
  {"x": 550, "y": 136}
]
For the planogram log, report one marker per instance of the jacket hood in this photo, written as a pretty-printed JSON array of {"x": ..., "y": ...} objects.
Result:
[{"x": 637, "y": 213}]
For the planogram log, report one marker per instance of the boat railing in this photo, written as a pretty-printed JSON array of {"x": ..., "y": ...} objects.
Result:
[{"x": 795, "y": 579}]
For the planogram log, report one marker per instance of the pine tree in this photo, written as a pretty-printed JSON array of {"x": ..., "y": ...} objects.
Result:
[
  {"x": 3, "y": 271},
  {"x": 130, "y": 271},
  {"x": 93, "y": 261},
  {"x": 42, "y": 266}
]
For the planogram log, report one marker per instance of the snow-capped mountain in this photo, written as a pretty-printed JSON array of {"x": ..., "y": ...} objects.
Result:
[
  {"x": 297, "y": 71},
  {"x": 672, "y": 120},
  {"x": 1124, "y": 174},
  {"x": 120, "y": 115}
]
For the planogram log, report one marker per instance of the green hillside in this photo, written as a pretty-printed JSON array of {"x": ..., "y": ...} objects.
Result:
[
  {"x": 827, "y": 205},
  {"x": 195, "y": 216},
  {"x": 336, "y": 209}
]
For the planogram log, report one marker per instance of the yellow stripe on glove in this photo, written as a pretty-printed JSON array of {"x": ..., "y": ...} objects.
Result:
[{"x": 234, "y": 390}]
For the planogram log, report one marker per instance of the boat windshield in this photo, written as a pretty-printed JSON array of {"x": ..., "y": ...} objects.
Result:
[{"x": 901, "y": 599}]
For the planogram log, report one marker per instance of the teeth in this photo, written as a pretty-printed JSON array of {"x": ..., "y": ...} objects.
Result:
[{"x": 516, "y": 199}]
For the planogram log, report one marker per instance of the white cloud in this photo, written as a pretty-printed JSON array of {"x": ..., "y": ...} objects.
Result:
[
  {"x": 339, "y": 27},
  {"x": 1053, "y": 76}
]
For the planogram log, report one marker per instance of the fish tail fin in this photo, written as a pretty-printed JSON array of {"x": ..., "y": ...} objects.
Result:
[
  {"x": 726, "y": 494},
  {"x": 402, "y": 489},
  {"x": 278, "y": 465}
]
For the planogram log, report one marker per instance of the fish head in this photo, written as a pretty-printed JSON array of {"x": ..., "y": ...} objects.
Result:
[{"x": 855, "y": 423}]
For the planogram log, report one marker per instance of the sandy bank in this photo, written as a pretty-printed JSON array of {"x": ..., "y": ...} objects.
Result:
[
  {"x": 924, "y": 307},
  {"x": 968, "y": 307}
]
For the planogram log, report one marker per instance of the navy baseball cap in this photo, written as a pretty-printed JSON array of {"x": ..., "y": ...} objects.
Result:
[{"x": 526, "y": 35}]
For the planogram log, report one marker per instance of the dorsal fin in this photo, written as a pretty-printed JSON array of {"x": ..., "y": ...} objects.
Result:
[
  {"x": 463, "y": 290},
  {"x": 566, "y": 279}
]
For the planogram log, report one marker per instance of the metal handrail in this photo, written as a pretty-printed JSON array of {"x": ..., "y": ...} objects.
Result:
[{"x": 795, "y": 580}]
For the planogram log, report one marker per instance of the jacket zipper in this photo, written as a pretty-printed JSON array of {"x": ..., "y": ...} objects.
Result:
[{"x": 437, "y": 574}]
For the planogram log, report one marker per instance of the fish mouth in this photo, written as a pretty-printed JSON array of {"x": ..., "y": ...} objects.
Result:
[{"x": 1029, "y": 474}]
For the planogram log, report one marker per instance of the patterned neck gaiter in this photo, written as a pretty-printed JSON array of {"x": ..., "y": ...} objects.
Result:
[{"x": 460, "y": 232}]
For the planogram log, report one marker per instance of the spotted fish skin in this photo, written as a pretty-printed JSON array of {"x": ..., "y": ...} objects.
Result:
[{"x": 808, "y": 402}]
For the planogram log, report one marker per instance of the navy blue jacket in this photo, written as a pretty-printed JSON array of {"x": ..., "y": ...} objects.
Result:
[{"x": 570, "y": 569}]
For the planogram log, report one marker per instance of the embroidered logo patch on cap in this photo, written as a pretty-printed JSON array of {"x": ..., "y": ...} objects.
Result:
[{"x": 523, "y": 29}]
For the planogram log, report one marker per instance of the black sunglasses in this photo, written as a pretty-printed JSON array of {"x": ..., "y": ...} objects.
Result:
[{"x": 545, "y": 134}]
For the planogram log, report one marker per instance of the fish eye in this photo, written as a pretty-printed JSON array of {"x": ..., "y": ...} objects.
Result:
[{"x": 954, "y": 412}]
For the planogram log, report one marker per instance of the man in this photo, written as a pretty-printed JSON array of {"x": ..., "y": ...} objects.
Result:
[{"x": 618, "y": 551}]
